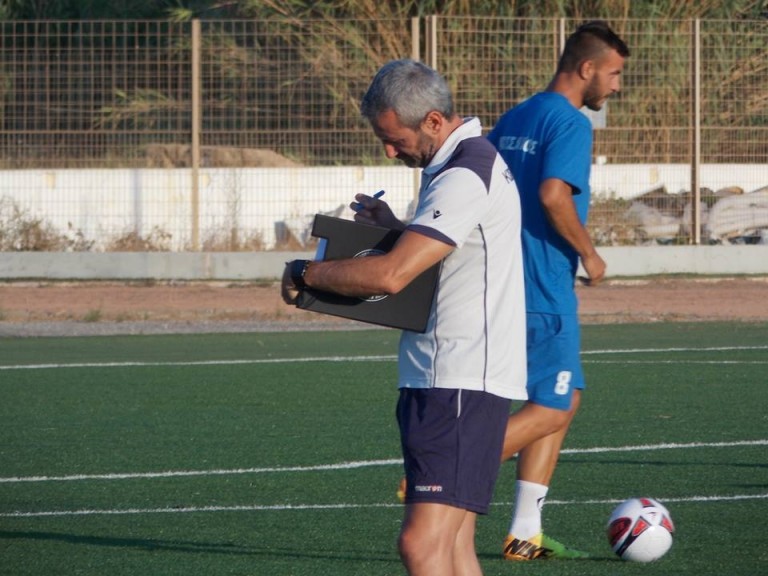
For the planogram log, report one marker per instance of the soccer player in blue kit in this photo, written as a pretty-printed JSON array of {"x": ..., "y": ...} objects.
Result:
[{"x": 547, "y": 143}]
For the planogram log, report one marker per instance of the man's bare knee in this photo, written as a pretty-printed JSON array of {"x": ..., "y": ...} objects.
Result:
[
  {"x": 417, "y": 550},
  {"x": 547, "y": 420},
  {"x": 531, "y": 423}
]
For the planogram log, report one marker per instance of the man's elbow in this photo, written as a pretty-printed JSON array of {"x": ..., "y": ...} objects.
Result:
[
  {"x": 393, "y": 283},
  {"x": 392, "y": 286},
  {"x": 552, "y": 201}
]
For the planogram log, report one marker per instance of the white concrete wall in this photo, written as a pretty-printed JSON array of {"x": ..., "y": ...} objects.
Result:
[
  {"x": 621, "y": 261},
  {"x": 106, "y": 204},
  {"x": 145, "y": 265},
  {"x": 630, "y": 180}
]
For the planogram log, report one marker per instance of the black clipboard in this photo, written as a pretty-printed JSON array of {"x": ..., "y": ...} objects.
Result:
[{"x": 409, "y": 309}]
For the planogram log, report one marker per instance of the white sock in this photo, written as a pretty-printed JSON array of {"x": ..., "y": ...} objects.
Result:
[{"x": 526, "y": 513}]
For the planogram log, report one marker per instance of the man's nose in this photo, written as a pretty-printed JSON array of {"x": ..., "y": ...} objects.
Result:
[{"x": 390, "y": 151}]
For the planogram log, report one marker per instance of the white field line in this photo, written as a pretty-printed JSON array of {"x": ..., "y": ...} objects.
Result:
[
  {"x": 375, "y": 358},
  {"x": 662, "y": 350},
  {"x": 341, "y": 506},
  {"x": 220, "y": 472},
  {"x": 386, "y": 358},
  {"x": 678, "y": 362},
  {"x": 353, "y": 465}
]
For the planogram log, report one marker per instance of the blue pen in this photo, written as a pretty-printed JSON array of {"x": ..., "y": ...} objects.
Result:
[{"x": 376, "y": 196}]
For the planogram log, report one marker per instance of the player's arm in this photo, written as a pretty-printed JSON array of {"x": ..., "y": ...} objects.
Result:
[
  {"x": 557, "y": 200},
  {"x": 373, "y": 275}
]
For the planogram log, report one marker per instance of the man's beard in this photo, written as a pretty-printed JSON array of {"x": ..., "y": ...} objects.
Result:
[
  {"x": 426, "y": 153},
  {"x": 593, "y": 99}
]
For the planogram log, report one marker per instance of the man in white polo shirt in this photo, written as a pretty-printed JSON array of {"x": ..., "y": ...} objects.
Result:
[{"x": 457, "y": 379}]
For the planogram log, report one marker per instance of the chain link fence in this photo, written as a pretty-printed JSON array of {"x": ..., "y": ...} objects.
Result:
[{"x": 229, "y": 135}]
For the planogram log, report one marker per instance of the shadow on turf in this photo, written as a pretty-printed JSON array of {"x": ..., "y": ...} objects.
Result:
[
  {"x": 663, "y": 463},
  {"x": 182, "y": 546},
  {"x": 591, "y": 559},
  {"x": 126, "y": 542}
]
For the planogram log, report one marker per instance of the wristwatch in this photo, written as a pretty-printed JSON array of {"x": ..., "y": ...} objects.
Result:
[{"x": 298, "y": 269}]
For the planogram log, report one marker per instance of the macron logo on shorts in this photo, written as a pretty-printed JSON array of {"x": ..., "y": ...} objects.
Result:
[{"x": 428, "y": 488}]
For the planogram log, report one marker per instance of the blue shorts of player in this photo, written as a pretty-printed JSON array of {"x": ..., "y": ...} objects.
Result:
[
  {"x": 451, "y": 442},
  {"x": 554, "y": 363}
]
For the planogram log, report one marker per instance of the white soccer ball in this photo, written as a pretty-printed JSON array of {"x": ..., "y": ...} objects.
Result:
[{"x": 640, "y": 530}]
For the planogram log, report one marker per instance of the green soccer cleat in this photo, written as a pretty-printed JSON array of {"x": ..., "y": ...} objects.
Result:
[{"x": 540, "y": 547}]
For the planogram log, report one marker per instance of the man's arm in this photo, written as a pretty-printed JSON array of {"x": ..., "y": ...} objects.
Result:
[
  {"x": 556, "y": 198},
  {"x": 373, "y": 275}
]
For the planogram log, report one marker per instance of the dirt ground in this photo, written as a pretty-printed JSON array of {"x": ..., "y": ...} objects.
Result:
[{"x": 36, "y": 308}]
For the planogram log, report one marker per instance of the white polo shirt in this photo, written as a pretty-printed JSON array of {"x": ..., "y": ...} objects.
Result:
[{"x": 475, "y": 338}]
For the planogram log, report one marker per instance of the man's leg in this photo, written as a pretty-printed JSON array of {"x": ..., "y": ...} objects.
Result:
[
  {"x": 430, "y": 536},
  {"x": 452, "y": 442},
  {"x": 531, "y": 423},
  {"x": 536, "y": 464},
  {"x": 537, "y": 459},
  {"x": 465, "y": 561},
  {"x": 535, "y": 467}
]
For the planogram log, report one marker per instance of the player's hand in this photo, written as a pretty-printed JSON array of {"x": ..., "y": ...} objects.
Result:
[
  {"x": 594, "y": 266},
  {"x": 288, "y": 289}
]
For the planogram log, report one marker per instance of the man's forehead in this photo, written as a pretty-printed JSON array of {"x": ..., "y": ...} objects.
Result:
[
  {"x": 611, "y": 58},
  {"x": 388, "y": 124}
]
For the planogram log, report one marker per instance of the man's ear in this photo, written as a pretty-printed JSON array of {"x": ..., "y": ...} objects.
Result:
[
  {"x": 586, "y": 69},
  {"x": 433, "y": 122}
]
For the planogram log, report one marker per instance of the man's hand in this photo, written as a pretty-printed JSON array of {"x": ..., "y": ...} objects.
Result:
[
  {"x": 375, "y": 212},
  {"x": 288, "y": 289},
  {"x": 594, "y": 266}
]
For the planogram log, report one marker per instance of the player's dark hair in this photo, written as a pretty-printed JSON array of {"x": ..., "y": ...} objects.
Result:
[
  {"x": 411, "y": 89},
  {"x": 588, "y": 42}
]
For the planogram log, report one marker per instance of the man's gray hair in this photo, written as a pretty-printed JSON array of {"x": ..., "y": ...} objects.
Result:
[{"x": 411, "y": 89}]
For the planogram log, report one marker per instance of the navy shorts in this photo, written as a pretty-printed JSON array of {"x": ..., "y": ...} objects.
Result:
[
  {"x": 451, "y": 441},
  {"x": 554, "y": 362}
]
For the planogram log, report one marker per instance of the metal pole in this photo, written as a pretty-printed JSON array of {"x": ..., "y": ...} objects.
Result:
[
  {"x": 196, "y": 125},
  {"x": 562, "y": 38},
  {"x": 416, "y": 55},
  {"x": 696, "y": 159},
  {"x": 432, "y": 41},
  {"x": 415, "y": 39}
]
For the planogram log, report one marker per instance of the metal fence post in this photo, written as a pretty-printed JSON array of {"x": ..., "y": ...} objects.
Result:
[
  {"x": 696, "y": 143},
  {"x": 431, "y": 48},
  {"x": 416, "y": 55},
  {"x": 196, "y": 126},
  {"x": 415, "y": 39}
]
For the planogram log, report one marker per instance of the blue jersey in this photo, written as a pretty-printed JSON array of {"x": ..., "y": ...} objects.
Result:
[{"x": 547, "y": 137}]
